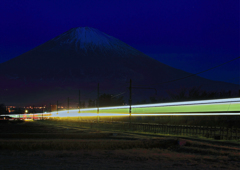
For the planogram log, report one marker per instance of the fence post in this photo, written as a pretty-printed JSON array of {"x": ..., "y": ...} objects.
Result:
[
  {"x": 237, "y": 133},
  {"x": 220, "y": 132},
  {"x": 203, "y": 131},
  {"x": 214, "y": 132},
  {"x": 207, "y": 131},
  {"x": 211, "y": 132},
  {"x": 227, "y": 133},
  {"x": 223, "y": 132}
]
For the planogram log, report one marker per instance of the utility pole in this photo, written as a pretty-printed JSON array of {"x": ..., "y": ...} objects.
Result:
[
  {"x": 42, "y": 111},
  {"x": 33, "y": 112},
  {"x": 98, "y": 104},
  {"x": 130, "y": 98},
  {"x": 68, "y": 105},
  {"x": 130, "y": 101},
  {"x": 57, "y": 106},
  {"x": 79, "y": 101}
]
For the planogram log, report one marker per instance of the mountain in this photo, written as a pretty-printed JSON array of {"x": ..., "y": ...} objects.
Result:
[{"x": 80, "y": 59}]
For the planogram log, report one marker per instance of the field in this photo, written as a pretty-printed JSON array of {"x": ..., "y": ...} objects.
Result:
[{"x": 78, "y": 145}]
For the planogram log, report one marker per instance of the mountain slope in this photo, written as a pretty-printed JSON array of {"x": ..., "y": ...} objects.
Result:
[{"x": 79, "y": 59}]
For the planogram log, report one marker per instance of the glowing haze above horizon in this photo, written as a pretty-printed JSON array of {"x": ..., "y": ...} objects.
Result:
[{"x": 189, "y": 35}]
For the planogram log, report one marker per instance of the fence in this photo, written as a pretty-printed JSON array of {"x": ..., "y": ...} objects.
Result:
[
  {"x": 218, "y": 133},
  {"x": 206, "y": 131}
]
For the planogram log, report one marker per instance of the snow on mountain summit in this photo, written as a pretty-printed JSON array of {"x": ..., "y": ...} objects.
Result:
[{"x": 87, "y": 37}]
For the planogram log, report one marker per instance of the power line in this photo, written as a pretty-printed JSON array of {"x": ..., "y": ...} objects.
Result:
[
  {"x": 118, "y": 94},
  {"x": 121, "y": 85}
]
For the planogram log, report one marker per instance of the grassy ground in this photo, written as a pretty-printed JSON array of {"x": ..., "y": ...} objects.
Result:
[{"x": 68, "y": 145}]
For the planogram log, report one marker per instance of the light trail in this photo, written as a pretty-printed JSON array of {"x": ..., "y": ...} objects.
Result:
[
  {"x": 126, "y": 115},
  {"x": 199, "y": 102},
  {"x": 230, "y": 106},
  {"x": 188, "y": 114}
]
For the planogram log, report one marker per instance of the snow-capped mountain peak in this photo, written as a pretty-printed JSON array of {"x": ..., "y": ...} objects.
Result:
[
  {"x": 83, "y": 36},
  {"x": 90, "y": 39}
]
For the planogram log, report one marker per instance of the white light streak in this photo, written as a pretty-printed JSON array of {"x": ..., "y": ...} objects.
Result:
[
  {"x": 188, "y": 114},
  {"x": 199, "y": 102},
  {"x": 74, "y": 113}
]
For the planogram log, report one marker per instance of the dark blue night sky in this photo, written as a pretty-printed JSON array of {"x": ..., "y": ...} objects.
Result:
[{"x": 192, "y": 35}]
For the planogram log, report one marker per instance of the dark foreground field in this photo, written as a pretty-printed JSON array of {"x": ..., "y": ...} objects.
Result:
[{"x": 71, "y": 145}]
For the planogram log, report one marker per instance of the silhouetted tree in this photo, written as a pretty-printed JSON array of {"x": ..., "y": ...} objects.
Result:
[
  {"x": 142, "y": 102},
  {"x": 153, "y": 99},
  {"x": 82, "y": 104},
  {"x": 91, "y": 103},
  {"x": 110, "y": 100},
  {"x": 2, "y": 109},
  {"x": 19, "y": 111},
  {"x": 196, "y": 93}
]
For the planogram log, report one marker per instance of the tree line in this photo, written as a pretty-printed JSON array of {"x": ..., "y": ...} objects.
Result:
[
  {"x": 194, "y": 93},
  {"x": 183, "y": 94}
]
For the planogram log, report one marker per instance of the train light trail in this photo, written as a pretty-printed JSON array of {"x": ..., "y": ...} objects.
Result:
[
  {"x": 188, "y": 108},
  {"x": 190, "y": 114}
]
